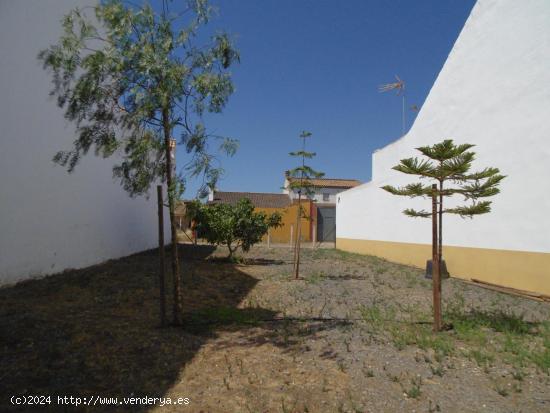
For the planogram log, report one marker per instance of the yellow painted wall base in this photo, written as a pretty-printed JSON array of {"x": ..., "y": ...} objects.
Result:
[{"x": 522, "y": 270}]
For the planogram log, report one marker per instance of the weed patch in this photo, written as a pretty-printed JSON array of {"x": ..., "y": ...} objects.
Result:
[{"x": 414, "y": 391}]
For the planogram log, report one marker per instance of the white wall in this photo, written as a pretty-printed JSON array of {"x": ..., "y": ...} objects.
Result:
[
  {"x": 493, "y": 91},
  {"x": 317, "y": 195},
  {"x": 50, "y": 220}
]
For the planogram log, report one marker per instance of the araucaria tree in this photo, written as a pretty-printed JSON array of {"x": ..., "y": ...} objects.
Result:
[
  {"x": 300, "y": 181},
  {"x": 133, "y": 79},
  {"x": 447, "y": 170},
  {"x": 232, "y": 225}
]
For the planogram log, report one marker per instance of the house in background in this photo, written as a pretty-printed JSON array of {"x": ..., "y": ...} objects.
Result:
[
  {"x": 319, "y": 222},
  {"x": 270, "y": 203},
  {"x": 324, "y": 190},
  {"x": 324, "y": 194}
]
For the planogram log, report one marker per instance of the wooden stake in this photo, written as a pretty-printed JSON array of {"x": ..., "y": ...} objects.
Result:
[
  {"x": 436, "y": 269},
  {"x": 291, "y": 236},
  {"x": 440, "y": 229},
  {"x": 298, "y": 238},
  {"x": 162, "y": 267},
  {"x": 269, "y": 238}
]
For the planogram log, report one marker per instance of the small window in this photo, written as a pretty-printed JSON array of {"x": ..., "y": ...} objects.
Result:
[{"x": 326, "y": 197}]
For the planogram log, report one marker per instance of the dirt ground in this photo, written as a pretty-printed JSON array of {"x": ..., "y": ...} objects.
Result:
[{"x": 352, "y": 335}]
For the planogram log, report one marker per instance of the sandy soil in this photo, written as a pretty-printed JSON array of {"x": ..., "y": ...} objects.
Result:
[{"x": 352, "y": 335}]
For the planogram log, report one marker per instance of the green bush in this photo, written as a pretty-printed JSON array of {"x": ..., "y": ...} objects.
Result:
[{"x": 233, "y": 225}]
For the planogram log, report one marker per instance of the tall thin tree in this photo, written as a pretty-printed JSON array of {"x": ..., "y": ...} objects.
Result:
[
  {"x": 299, "y": 180},
  {"x": 448, "y": 168},
  {"x": 134, "y": 81}
]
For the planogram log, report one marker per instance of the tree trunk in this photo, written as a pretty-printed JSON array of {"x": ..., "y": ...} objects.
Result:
[
  {"x": 178, "y": 307},
  {"x": 162, "y": 265},
  {"x": 298, "y": 236},
  {"x": 436, "y": 273},
  {"x": 294, "y": 240},
  {"x": 440, "y": 240}
]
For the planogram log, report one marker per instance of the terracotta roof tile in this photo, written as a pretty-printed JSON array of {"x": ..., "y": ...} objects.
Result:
[
  {"x": 258, "y": 199},
  {"x": 332, "y": 183}
]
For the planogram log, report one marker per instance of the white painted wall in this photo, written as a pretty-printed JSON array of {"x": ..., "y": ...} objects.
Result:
[
  {"x": 493, "y": 91},
  {"x": 50, "y": 220},
  {"x": 317, "y": 195}
]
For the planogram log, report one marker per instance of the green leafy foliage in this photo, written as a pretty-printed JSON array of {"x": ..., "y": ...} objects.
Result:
[
  {"x": 131, "y": 78},
  {"x": 300, "y": 177},
  {"x": 447, "y": 163},
  {"x": 233, "y": 225},
  {"x": 299, "y": 180}
]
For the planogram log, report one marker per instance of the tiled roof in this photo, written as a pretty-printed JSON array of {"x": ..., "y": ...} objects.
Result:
[
  {"x": 332, "y": 183},
  {"x": 258, "y": 199}
]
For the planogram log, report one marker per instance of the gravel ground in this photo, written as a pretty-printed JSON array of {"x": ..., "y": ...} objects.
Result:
[{"x": 353, "y": 334}]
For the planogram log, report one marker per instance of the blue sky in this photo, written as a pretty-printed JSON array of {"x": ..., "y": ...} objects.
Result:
[{"x": 316, "y": 65}]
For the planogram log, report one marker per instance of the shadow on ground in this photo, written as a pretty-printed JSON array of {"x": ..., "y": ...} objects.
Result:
[
  {"x": 264, "y": 261},
  {"x": 96, "y": 331}
]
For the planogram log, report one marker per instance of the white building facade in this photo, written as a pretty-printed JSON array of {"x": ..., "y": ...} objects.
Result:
[
  {"x": 49, "y": 220},
  {"x": 494, "y": 92}
]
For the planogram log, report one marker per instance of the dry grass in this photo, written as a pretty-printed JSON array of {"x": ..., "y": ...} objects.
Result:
[{"x": 353, "y": 335}]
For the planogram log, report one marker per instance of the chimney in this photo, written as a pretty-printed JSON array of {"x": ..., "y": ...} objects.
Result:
[{"x": 211, "y": 194}]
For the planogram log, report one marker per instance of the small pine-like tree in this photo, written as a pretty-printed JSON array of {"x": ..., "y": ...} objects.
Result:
[
  {"x": 134, "y": 81},
  {"x": 448, "y": 167},
  {"x": 300, "y": 181}
]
